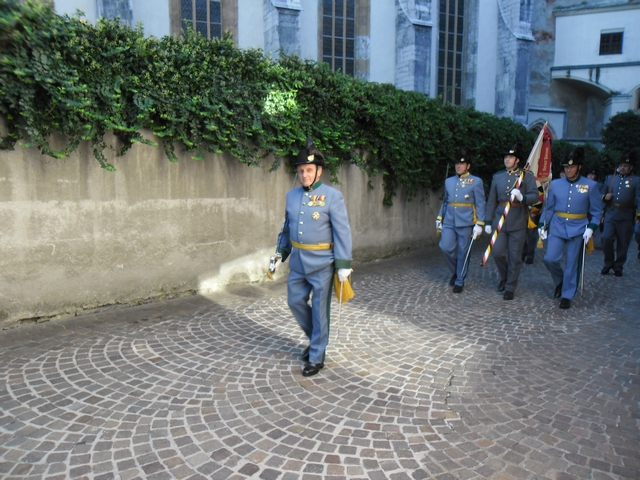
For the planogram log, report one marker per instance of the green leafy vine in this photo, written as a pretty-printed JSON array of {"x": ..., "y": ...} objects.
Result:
[{"x": 62, "y": 75}]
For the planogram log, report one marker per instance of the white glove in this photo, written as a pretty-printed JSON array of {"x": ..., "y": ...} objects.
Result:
[
  {"x": 343, "y": 274},
  {"x": 477, "y": 231},
  {"x": 517, "y": 194},
  {"x": 587, "y": 234},
  {"x": 543, "y": 233},
  {"x": 439, "y": 224},
  {"x": 487, "y": 229}
]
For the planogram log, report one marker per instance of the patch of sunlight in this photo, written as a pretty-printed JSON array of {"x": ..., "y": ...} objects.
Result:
[
  {"x": 247, "y": 269},
  {"x": 278, "y": 102}
]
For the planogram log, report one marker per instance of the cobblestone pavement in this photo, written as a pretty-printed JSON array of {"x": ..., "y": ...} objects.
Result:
[{"x": 420, "y": 383}]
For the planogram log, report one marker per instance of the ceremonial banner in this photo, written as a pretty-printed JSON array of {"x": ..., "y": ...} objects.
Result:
[{"x": 540, "y": 157}]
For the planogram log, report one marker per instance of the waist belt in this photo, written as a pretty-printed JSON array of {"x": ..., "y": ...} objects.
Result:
[
  {"x": 571, "y": 215},
  {"x": 624, "y": 205},
  {"x": 504, "y": 204},
  {"x": 458, "y": 204},
  {"x": 317, "y": 246}
]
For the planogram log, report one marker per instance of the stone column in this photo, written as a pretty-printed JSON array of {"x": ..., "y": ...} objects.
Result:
[
  {"x": 413, "y": 45},
  {"x": 515, "y": 43},
  {"x": 282, "y": 27}
]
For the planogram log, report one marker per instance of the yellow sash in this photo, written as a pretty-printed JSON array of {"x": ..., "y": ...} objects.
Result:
[
  {"x": 571, "y": 215},
  {"x": 317, "y": 246},
  {"x": 458, "y": 204}
]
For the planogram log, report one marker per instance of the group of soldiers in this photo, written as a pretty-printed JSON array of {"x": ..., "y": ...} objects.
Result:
[
  {"x": 316, "y": 235},
  {"x": 574, "y": 208}
]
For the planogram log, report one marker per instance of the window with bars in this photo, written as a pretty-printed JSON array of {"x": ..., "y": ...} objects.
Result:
[
  {"x": 450, "y": 42},
  {"x": 338, "y": 34},
  {"x": 203, "y": 15},
  {"x": 610, "y": 43}
]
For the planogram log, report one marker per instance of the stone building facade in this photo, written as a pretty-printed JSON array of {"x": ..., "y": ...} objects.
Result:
[{"x": 530, "y": 60}]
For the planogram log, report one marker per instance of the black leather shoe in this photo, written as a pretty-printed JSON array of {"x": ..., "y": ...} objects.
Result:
[
  {"x": 305, "y": 355},
  {"x": 617, "y": 273},
  {"x": 565, "y": 303},
  {"x": 529, "y": 261},
  {"x": 557, "y": 293},
  {"x": 457, "y": 288},
  {"x": 311, "y": 369},
  {"x": 508, "y": 295},
  {"x": 453, "y": 279},
  {"x": 605, "y": 270},
  {"x": 501, "y": 285}
]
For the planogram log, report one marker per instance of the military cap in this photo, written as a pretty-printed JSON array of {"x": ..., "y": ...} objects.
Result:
[
  {"x": 629, "y": 159},
  {"x": 516, "y": 150},
  {"x": 464, "y": 156},
  {"x": 310, "y": 155},
  {"x": 575, "y": 157}
]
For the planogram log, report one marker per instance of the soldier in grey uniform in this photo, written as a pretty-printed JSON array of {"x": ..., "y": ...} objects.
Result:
[
  {"x": 317, "y": 238},
  {"x": 461, "y": 216},
  {"x": 507, "y": 249},
  {"x": 622, "y": 199}
]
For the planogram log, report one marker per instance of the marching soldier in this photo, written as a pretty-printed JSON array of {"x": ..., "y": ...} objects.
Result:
[
  {"x": 570, "y": 202},
  {"x": 507, "y": 250},
  {"x": 622, "y": 199},
  {"x": 317, "y": 237},
  {"x": 460, "y": 216}
]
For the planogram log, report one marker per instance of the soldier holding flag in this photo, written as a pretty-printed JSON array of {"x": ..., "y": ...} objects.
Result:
[
  {"x": 509, "y": 243},
  {"x": 565, "y": 222},
  {"x": 461, "y": 216}
]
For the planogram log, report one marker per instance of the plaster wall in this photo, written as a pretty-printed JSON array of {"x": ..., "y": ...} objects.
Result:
[
  {"x": 154, "y": 16},
  {"x": 383, "y": 42},
  {"x": 75, "y": 236},
  {"x": 487, "y": 59},
  {"x": 578, "y": 37},
  {"x": 309, "y": 30},
  {"x": 69, "y": 7},
  {"x": 250, "y": 24}
]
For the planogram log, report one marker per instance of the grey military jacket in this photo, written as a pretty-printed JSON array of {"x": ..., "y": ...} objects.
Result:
[{"x": 501, "y": 185}]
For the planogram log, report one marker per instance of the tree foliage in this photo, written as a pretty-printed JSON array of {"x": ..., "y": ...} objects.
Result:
[
  {"x": 621, "y": 135},
  {"x": 60, "y": 74}
]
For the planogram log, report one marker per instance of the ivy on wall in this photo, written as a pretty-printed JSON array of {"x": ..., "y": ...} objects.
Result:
[{"x": 60, "y": 74}]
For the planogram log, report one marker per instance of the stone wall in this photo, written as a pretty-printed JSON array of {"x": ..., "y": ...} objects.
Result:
[{"x": 74, "y": 236}]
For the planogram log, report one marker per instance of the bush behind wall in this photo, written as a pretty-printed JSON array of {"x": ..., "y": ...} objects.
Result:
[{"x": 60, "y": 74}]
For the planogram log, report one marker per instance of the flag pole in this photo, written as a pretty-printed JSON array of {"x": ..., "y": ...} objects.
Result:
[{"x": 494, "y": 236}]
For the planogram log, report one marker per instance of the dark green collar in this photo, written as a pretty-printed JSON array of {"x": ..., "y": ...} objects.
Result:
[{"x": 313, "y": 187}]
